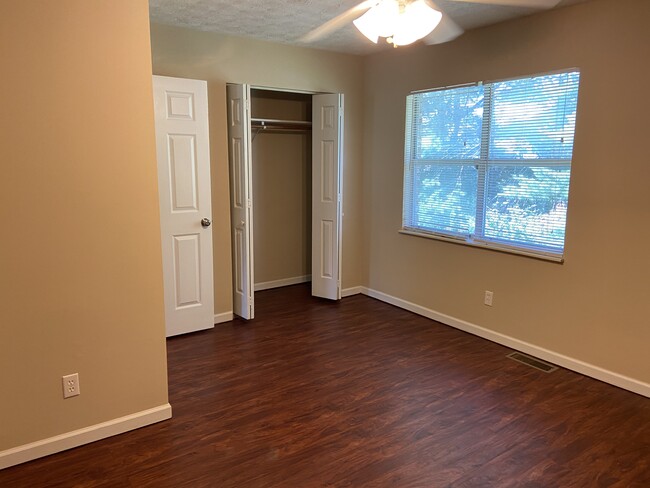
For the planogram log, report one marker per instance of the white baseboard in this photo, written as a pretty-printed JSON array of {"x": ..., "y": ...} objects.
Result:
[
  {"x": 267, "y": 285},
  {"x": 220, "y": 318},
  {"x": 576, "y": 365},
  {"x": 76, "y": 438},
  {"x": 355, "y": 290}
]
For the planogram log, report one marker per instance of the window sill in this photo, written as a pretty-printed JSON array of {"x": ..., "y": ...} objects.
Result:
[{"x": 485, "y": 245}]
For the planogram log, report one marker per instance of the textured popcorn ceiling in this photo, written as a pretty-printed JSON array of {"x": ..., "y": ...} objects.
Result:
[{"x": 285, "y": 21}]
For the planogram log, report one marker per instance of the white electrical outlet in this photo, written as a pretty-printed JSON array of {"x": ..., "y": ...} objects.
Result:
[
  {"x": 488, "y": 298},
  {"x": 70, "y": 385}
]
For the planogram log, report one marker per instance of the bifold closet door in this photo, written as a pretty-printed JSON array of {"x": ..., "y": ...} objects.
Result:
[
  {"x": 183, "y": 153},
  {"x": 327, "y": 163},
  {"x": 239, "y": 152}
]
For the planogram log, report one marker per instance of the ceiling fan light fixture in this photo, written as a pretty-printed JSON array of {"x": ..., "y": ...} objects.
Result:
[
  {"x": 367, "y": 27},
  {"x": 379, "y": 20},
  {"x": 400, "y": 23},
  {"x": 416, "y": 21}
]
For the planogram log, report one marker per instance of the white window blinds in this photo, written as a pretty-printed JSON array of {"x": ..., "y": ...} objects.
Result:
[{"x": 490, "y": 163}]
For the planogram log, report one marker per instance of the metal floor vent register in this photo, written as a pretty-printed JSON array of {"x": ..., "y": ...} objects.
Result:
[{"x": 532, "y": 362}]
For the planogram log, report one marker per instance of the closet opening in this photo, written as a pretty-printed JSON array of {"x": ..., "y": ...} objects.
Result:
[
  {"x": 281, "y": 176},
  {"x": 285, "y": 152}
]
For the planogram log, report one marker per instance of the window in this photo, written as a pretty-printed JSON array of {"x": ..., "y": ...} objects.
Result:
[{"x": 489, "y": 163}]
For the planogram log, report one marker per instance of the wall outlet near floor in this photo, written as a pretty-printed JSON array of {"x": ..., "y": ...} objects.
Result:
[
  {"x": 70, "y": 385},
  {"x": 488, "y": 298}
]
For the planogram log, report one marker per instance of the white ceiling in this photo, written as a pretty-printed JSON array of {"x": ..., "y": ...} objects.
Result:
[{"x": 285, "y": 21}]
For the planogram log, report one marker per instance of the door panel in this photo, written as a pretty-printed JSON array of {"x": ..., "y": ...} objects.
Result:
[
  {"x": 183, "y": 154},
  {"x": 241, "y": 206},
  {"x": 183, "y": 172},
  {"x": 327, "y": 133},
  {"x": 187, "y": 270},
  {"x": 180, "y": 105},
  {"x": 327, "y": 253}
]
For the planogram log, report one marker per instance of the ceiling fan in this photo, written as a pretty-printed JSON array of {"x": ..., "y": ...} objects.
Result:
[{"x": 402, "y": 22}]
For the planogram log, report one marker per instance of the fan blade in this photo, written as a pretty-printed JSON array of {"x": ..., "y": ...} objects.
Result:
[
  {"x": 447, "y": 30},
  {"x": 539, "y": 4},
  {"x": 337, "y": 22}
]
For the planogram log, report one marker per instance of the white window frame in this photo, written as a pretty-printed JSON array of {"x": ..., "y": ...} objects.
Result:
[{"x": 482, "y": 163}]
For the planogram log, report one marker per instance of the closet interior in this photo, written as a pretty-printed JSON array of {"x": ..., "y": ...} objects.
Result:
[{"x": 281, "y": 186}]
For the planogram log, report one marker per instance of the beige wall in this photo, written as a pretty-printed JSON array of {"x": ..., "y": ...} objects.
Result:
[
  {"x": 282, "y": 206},
  {"x": 281, "y": 189},
  {"x": 223, "y": 59},
  {"x": 593, "y": 308},
  {"x": 80, "y": 263}
]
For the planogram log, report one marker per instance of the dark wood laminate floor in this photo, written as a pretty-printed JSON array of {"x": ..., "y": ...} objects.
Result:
[{"x": 362, "y": 394}]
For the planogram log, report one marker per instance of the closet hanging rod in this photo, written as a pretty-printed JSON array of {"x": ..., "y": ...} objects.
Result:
[{"x": 280, "y": 124}]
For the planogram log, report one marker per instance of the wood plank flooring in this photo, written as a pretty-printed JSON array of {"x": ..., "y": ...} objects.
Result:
[{"x": 362, "y": 394}]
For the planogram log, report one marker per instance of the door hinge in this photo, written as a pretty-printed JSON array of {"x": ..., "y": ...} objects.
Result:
[{"x": 249, "y": 203}]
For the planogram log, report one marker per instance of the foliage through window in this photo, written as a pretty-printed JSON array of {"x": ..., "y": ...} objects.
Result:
[{"x": 490, "y": 163}]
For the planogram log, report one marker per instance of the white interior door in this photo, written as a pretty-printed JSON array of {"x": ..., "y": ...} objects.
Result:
[
  {"x": 239, "y": 139},
  {"x": 327, "y": 163},
  {"x": 183, "y": 153}
]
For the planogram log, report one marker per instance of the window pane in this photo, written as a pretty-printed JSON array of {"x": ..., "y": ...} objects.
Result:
[
  {"x": 448, "y": 123},
  {"x": 445, "y": 197},
  {"x": 527, "y": 205},
  {"x": 534, "y": 118}
]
